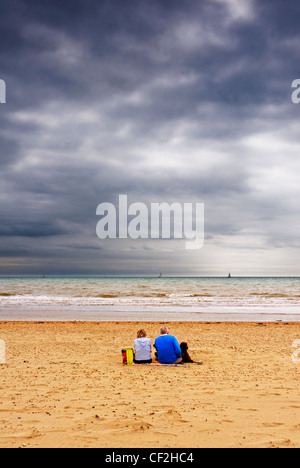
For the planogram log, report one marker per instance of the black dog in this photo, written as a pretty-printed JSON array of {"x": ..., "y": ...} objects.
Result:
[{"x": 184, "y": 353}]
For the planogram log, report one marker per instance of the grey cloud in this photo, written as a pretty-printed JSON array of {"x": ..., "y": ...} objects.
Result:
[{"x": 160, "y": 100}]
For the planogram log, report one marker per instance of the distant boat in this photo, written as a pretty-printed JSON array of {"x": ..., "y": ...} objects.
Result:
[
  {"x": 229, "y": 276},
  {"x": 160, "y": 275}
]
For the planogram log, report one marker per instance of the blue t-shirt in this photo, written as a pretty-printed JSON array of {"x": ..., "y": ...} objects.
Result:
[{"x": 168, "y": 349}]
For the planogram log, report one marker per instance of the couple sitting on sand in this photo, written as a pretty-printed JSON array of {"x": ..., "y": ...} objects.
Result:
[{"x": 168, "y": 350}]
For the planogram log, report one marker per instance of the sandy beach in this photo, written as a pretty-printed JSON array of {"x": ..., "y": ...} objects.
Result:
[{"x": 64, "y": 385}]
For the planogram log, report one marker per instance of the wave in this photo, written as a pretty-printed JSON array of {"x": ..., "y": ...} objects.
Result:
[
  {"x": 108, "y": 296},
  {"x": 267, "y": 294},
  {"x": 145, "y": 300},
  {"x": 201, "y": 295},
  {"x": 133, "y": 291}
]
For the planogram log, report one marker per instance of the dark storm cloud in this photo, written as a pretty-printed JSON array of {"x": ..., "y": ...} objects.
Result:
[
  {"x": 30, "y": 229},
  {"x": 160, "y": 100}
]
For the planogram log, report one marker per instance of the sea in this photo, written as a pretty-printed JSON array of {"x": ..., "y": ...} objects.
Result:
[{"x": 150, "y": 299}]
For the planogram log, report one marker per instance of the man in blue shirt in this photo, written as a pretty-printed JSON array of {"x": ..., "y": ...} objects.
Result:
[{"x": 168, "y": 348}]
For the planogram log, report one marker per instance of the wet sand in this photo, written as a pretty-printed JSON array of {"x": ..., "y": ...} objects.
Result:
[{"x": 64, "y": 385}]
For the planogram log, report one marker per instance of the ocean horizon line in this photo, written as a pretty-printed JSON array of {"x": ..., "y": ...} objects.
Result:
[{"x": 100, "y": 276}]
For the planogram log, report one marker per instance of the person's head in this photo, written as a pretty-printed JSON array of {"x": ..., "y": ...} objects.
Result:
[
  {"x": 164, "y": 330},
  {"x": 141, "y": 334}
]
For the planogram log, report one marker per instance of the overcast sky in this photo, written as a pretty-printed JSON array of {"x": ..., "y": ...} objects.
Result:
[{"x": 161, "y": 100}]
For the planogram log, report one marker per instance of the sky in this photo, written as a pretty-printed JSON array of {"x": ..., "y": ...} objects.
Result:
[{"x": 162, "y": 101}]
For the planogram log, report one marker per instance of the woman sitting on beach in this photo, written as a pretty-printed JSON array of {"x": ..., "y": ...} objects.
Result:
[{"x": 142, "y": 348}]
